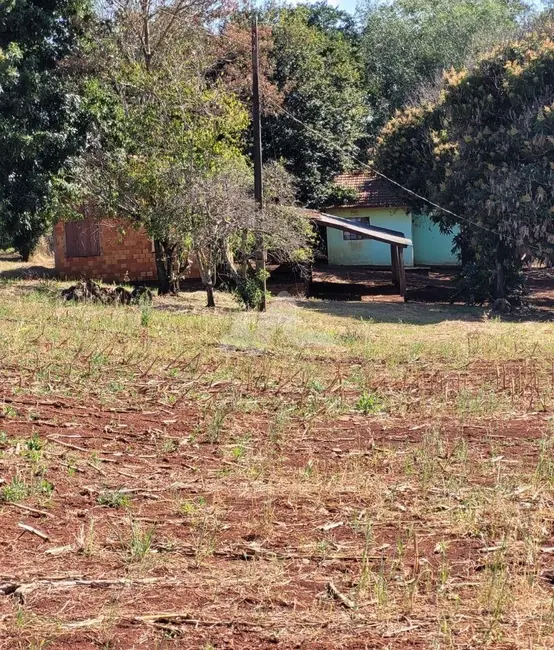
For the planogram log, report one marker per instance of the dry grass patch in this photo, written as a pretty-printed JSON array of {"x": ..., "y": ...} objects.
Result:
[{"x": 315, "y": 475}]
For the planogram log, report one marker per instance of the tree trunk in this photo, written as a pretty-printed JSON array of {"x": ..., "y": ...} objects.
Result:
[
  {"x": 164, "y": 277},
  {"x": 466, "y": 255},
  {"x": 207, "y": 273},
  {"x": 174, "y": 282},
  {"x": 168, "y": 279},
  {"x": 145, "y": 8},
  {"x": 232, "y": 268},
  {"x": 500, "y": 288},
  {"x": 210, "y": 294},
  {"x": 25, "y": 248},
  {"x": 243, "y": 270}
]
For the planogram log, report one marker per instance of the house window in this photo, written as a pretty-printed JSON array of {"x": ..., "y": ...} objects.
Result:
[
  {"x": 82, "y": 238},
  {"x": 352, "y": 236}
]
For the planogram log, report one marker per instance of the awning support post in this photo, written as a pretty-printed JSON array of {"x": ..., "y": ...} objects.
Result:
[
  {"x": 401, "y": 271},
  {"x": 398, "y": 269},
  {"x": 394, "y": 266}
]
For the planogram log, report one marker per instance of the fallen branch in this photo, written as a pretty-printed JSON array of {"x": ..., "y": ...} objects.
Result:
[
  {"x": 42, "y": 513},
  {"x": 89, "y": 622},
  {"x": 401, "y": 630},
  {"x": 335, "y": 593},
  {"x": 59, "y": 550},
  {"x": 23, "y": 588},
  {"x": 172, "y": 620},
  {"x": 29, "y": 529},
  {"x": 120, "y": 471},
  {"x": 97, "y": 469},
  {"x": 67, "y": 444}
]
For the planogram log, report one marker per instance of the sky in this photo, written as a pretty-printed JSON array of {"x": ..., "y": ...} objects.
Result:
[
  {"x": 350, "y": 5},
  {"x": 345, "y": 5}
]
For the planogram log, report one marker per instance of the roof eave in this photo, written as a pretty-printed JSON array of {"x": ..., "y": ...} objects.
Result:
[{"x": 372, "y": 206}]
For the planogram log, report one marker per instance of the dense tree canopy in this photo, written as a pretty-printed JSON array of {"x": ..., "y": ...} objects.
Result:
[
  {"x": 331, "y": 81},
  {"x": 316, "y": 69},
  {"x": 485, "y": 151},
  {"x": 314, "y": 112},
  {"x": 41, "y": 122},
  {"x": 162, "y": 107},
  {"x": 406, "y": 44}
]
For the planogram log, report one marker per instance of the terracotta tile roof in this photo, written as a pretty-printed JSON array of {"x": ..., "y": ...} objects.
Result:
[{"x": 372, "y": 191}]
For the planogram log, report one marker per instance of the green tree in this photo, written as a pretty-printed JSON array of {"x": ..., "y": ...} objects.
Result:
[
  {"x": 159, "y": 125},
  {"x": 406, "y": 44},
  {"x": 484, "y": 150},
  {"x": 170, "y": 132},
  {"x": 311, "y": 86},
  {"x": 315, "y": 68},
  {"x": 167, "y": 152},
  {"x": 332, "y": 20},
  {"x": 41, "y": 121}
]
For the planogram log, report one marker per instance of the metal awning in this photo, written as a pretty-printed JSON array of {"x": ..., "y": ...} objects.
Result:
[
  {"x": 393, "y": 238},
  {"x": 384, "y": 235}
]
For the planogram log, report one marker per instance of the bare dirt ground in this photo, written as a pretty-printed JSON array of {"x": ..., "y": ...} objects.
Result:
[
  {"x": 159, "y": 538},
  {"x": 326, "y": 475}
]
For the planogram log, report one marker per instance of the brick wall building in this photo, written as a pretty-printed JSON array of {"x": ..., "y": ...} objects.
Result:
[{"x": 103, "y": 250}]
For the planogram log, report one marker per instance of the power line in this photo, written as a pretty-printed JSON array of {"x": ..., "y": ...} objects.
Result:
[
  {"x": 396, "y": 183},
  {"x": 373, "y": 169}
]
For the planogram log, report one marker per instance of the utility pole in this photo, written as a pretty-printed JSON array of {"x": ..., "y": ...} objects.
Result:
[{"x": 258, "y": 179}]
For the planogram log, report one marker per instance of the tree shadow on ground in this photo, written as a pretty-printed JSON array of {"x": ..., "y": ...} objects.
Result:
[
  {"x": 27, "y": 272},
  {"x": 387, "y": 311},
  {"x": 12, "y": 267},
  {"x": 365, "y": 293},
  {"x": 417, "y": 313}
]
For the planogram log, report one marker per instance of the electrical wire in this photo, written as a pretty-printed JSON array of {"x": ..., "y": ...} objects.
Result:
[{"x": 372, "y": 168}]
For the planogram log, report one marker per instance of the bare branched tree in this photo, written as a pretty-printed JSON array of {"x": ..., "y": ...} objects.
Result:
[
  {"x": 226, "y": 220},
  {"x": 147, "y": 28}
]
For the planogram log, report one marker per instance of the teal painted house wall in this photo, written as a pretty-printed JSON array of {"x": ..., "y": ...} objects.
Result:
[
  {"x": 431, "y": 247},
  {"x": 368, "y": 251}
]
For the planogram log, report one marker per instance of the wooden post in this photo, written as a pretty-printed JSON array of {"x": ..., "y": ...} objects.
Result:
[
  {"x": 401, "y": 271},
  {"x": 394, "y": 265},
  {"x": 257, "y": 128}
]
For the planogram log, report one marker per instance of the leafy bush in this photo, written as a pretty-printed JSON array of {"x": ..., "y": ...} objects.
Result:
[
  {"x": 370, "y": 403},
  {"x": 482, "y": 150},
  {"x": 249, "y": 291},
  {"x": 479, "y": 280}
]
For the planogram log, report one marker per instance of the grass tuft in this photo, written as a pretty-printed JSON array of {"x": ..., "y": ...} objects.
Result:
[{"x": 114, "y": 499}]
